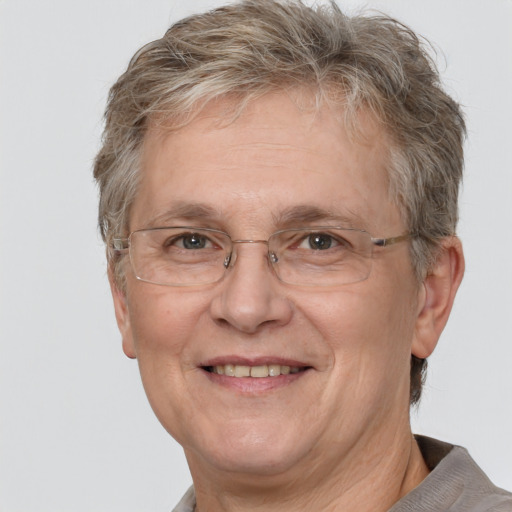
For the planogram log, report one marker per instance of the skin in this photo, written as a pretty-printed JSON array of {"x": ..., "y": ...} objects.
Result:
[{"x": 337, "y": 437}]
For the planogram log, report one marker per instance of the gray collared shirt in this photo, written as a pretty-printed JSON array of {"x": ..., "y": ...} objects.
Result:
[{"x": 455, "y": 484}]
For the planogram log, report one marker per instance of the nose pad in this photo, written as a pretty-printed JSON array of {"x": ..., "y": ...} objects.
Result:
[
  {"x": 273, "y": 257},
  {"x": 230, "y": 260}
]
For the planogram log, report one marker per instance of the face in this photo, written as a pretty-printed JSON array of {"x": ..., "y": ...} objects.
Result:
[{"x": 275, "y": 166}]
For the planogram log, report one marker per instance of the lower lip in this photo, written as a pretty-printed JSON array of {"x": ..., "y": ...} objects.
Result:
[{"x": 255, "y": 384}]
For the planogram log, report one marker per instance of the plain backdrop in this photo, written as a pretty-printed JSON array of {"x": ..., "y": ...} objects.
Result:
[{"x": 76, "y": 431}]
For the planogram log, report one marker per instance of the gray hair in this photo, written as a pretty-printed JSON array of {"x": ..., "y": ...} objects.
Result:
[{"x": 254, "y": 47}]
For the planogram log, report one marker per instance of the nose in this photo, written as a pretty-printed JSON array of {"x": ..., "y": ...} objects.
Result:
[{"x": 250, "y": 296}]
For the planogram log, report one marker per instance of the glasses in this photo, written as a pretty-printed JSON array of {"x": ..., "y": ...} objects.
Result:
[{"x": 314, "y": 256}]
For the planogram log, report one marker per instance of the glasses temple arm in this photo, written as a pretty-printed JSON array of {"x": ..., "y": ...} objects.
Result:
[{"x": 383, "y": 242}]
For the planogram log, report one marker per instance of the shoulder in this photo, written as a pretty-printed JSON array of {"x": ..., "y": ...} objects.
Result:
[
  {"x": 187, "y": 503},
  {"x": 455, "y": 484}
]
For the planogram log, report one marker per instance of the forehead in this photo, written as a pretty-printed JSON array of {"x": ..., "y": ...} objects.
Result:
[{"x": 282, "y": 155}]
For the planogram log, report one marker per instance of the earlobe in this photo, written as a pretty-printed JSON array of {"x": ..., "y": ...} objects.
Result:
[
  {"x": 122, "y": 317},
  {"x": 436, "y": 296}
]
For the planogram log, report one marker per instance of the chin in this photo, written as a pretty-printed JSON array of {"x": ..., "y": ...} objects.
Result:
[
  {"x": 246, "y": 449},
  {"x": 251, "y": 462}
]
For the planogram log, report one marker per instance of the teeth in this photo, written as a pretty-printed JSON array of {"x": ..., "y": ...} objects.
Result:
[
  {"x": 242, "y": 371},
  {"x": 285, "y": 370},
  {"x": 274, "y": 370},
  {"x": 259, "y": 371},
  {"x": 271, "y": 370}
]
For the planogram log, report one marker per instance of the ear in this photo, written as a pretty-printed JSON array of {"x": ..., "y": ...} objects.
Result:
[
  {"x": 437, "y": 295},
  {"x": 122, "y": 317}
]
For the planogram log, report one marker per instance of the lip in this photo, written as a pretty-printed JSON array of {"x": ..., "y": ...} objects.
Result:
[
  {"x": 253, "y": 361},
  {"x": 254, "y": 385}
]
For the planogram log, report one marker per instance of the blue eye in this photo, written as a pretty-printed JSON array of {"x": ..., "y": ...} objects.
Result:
[
  {"x": 192, "y": 241},
  {"x": 318, "y": 242}
]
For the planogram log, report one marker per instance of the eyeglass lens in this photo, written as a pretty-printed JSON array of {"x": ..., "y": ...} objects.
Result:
[{"x": 309, "y": 257}]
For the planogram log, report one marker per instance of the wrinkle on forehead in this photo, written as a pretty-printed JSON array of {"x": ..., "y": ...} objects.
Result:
[
  {"x": 302, "y": 215},
  {"x": 360, "y": 123},
  {"x": 259, "y": 139}
]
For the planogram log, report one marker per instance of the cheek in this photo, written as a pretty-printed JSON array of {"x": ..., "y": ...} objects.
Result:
[
  {"x": 163, "y": 323},
  {"x": 368, "y": 334},
  {"x": 361, "y": 314}
]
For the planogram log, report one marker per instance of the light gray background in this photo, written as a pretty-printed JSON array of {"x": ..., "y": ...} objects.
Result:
[{"x": 76, "y": 431}]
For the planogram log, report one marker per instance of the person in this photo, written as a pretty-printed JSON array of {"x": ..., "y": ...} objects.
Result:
[{"x": 278, "y": 198}]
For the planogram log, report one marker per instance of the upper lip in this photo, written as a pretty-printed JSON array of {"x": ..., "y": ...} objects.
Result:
[{"x": 253, "y": 361}]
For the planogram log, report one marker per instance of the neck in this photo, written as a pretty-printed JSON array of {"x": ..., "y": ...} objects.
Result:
[{"x": 371, "y": 478}]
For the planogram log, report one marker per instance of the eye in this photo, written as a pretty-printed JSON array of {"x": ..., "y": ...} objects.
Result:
[
  {"x": 192, "y": 241},
  {"x": 319, "y": 242}
]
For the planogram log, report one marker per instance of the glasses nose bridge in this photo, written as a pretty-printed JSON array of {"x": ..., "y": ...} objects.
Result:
[
  {"x": 231, "y": 258},
  {"x": 250, "y": 242}
]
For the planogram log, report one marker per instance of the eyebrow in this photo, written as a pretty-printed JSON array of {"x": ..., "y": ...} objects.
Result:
[
  {"x": 307, "y": 214},
  {"x": 295, "y": 216},
  {"x": 186, "y": 211}
]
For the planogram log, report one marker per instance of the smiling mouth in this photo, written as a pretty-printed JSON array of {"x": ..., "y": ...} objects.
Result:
[{"x": 261, "y": 371}]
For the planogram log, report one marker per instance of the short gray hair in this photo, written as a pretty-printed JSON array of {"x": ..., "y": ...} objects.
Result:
[{"x": 254, "y": 47}]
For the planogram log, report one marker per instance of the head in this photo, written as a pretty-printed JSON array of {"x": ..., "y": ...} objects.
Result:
[{"x": 360, "y": 67}]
